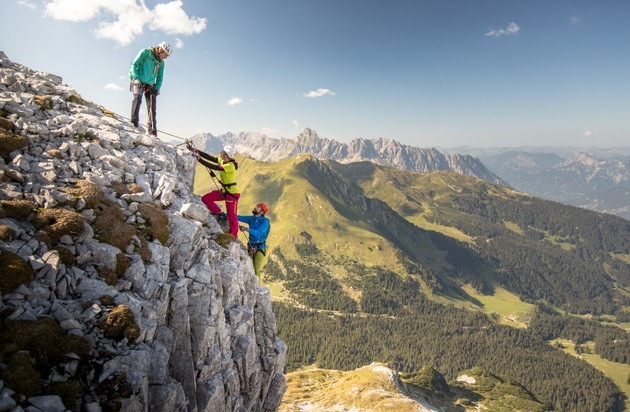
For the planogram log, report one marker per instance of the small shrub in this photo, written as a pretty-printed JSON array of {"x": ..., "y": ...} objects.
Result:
[
  {"x": 157, "y": 222},
  {"x": 57, "y": 223},
  {"x": 18, "y": 209},
  {"x": 13, "y": 272},
  {"x": 120, "y": 324},
  {"x": 10, "y": 142},
  {"x": 89, "y": 191},
  {"x": 6, "y": 233},
  {"x": 21, "y": 376}
]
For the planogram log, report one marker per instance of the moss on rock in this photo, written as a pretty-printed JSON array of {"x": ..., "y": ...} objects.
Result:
[
  {"x": 120, "y": 323},
  {"x": 13, "y": 272},
  {"x": 6, "y": 233},
  {"x": 57, "y": 223},
  {"x": 110, "y": 225},
  {"x": 88, "y": 191},
  {"x": 224, "y": 239},
  {"x": 157, "y": 222},
  {"x": 18, "y": 209},
  {"x": 21, "y": 376},
  {"x": 10, "y": 142}
]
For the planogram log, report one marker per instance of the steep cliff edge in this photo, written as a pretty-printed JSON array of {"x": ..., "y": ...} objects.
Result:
[{"x": 169, "y": 320}]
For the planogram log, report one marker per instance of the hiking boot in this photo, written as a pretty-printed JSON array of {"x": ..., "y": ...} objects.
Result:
[{"x": 138, "y": 128}]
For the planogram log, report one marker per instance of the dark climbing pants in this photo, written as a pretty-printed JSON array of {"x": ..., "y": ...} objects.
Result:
[{"x": 151, "y": 97}]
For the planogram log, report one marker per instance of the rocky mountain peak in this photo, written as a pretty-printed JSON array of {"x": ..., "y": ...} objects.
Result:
[
  {"x": 118, "y": 290},
  {"x": 382, "y": 151}
]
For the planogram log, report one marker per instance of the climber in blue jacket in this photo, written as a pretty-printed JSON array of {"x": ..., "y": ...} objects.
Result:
[{"x": 258, "y": 231}]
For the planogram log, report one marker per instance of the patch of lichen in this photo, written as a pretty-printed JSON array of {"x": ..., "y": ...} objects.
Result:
[
  {"x": 86, "y": 190},
  {"x": 44, "y": 102},
  {"x": 58, "y": 222},
  {"x": 74, "y": 98},
  {"x": 107, "y": 113},
  {"x": 156, "y": 222},
  {"x": 13, "y": 272},
  {"x": 120, "y": 323},
  {"x": 10, "y": 142},
  {"x": 224, "y": 239},
  {"x": 18, "y": 209},
  {"x": 6, "y": 233},
  {"x": 21, "y": 376},
  {"x": 110, "y": 225}
]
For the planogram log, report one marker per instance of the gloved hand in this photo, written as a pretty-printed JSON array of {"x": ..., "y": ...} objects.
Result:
[
  {"x": 189, "y": 146},
  {"x": 243, "y": 228}
]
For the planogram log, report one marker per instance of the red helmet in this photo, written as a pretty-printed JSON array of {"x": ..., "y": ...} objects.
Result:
[{"x": 263, "y": 207}]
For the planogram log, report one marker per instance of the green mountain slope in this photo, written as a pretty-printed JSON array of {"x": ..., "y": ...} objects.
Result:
[{"x": 374, "y": 264}]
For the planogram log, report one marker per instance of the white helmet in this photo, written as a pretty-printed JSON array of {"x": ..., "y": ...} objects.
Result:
[
  {"x": 166, "y": 47},
  {"x": 229, "y": 150}
]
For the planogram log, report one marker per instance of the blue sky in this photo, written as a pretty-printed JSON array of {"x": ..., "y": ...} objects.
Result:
[{"x": 426, "y": 73}]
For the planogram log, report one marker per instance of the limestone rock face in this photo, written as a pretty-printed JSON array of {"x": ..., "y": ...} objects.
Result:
[{"x": 204, "y": 334}]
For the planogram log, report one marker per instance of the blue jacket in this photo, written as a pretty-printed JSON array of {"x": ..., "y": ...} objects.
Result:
[{"x": 258, "y": 230}]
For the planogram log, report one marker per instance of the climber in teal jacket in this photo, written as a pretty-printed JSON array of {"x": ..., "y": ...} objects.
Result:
[
  {"x": 146, "y": 75},
  {"x": 258, "y": 229}
]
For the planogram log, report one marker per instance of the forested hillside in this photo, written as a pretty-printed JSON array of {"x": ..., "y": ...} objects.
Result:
[{"x": 368, "y": 263}]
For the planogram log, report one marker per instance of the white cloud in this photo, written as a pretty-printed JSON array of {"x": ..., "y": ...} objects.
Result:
[
  {"x": 26, "y": 3},
  {"x": 267, "y": 131},
  {"x": 124, "y": 20},
  {"x": 234, "y": 101},
  {"x": 576, "y": 19},
  {"x": 588, "y": 132},
  {"x": 113, "y": 86},
  {"x": 179, "y": 43},
  {"x": 319, "y": 93},
  {"x": 295, "y": 123},
  {"x": 511, "y": 28}
]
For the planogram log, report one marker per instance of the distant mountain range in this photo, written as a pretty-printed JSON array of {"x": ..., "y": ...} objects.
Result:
[
  {"x": 588, "y": 177},
  {"x": 581, "y": 180},
  {"x": 385, "y": 152}
]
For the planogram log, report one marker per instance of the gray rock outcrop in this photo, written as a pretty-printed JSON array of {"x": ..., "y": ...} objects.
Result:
[{"x": 206, "y": 334}]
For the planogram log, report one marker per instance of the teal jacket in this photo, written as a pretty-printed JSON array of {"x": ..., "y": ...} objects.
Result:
[{"x": 148, "y": 68}]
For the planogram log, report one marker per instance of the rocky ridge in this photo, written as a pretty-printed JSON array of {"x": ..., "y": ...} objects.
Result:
[
  {"x": 381, "y": 151},
  {"x": 200, "y": 333}
]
